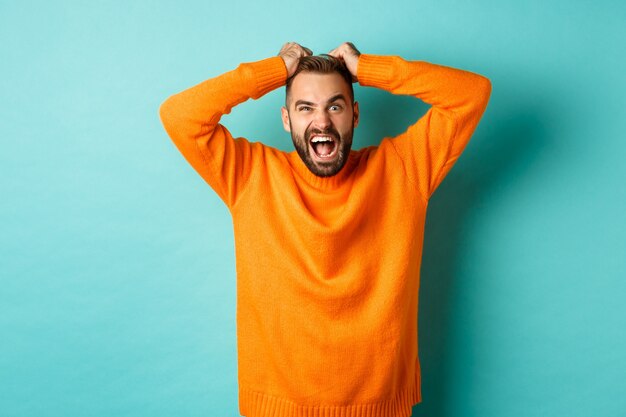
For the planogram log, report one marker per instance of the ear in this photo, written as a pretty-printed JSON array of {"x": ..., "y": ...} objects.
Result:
[
  {"x": 355, "y": 117},
  {"x": 284, "y": 113}
]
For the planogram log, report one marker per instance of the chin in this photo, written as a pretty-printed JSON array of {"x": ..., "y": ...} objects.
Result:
[
  {"x": 324, "y": 155},
  {"x": 326, "y": 168}
]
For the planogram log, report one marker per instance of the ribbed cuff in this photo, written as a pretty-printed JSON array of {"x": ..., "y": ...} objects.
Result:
[
  {"x": 268, "y": 74},
  {"x": 376, "y": 71}
]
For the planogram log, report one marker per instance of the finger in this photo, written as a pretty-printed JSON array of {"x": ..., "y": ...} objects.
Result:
[
  {"x": 353, "y": 48},
  {"x": 286, "y": 47},
  {"x": 308, "y": 51}
]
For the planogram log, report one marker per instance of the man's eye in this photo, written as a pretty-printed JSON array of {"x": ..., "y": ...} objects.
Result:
[
  {"x": 304, "y": 108},
  {"x": 335, "y": 107}
]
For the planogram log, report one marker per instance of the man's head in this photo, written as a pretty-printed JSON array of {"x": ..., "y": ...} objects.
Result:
[{"x": 320, "y": 113}]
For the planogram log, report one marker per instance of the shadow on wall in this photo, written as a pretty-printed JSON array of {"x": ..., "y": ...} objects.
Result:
[{"x": 509, "y": 140}]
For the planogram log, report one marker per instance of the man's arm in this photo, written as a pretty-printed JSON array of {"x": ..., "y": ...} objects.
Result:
[
  {"x": 431, "y": 146},
  {"x": 191, "y": 119}
]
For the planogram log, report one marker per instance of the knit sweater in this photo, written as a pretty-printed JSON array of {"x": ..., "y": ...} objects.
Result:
[{"x": 328, "y": 267}]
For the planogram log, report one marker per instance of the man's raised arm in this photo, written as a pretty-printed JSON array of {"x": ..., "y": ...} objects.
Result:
[
  {"x": 191, "y": 119},
  {"x": 430, "y": 147}
]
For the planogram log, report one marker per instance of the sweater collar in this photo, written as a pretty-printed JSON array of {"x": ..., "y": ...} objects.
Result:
[{"x": 322, "y": 183}]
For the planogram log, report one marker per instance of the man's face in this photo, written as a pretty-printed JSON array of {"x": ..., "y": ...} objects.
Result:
[{"x": 321, "y": 118}]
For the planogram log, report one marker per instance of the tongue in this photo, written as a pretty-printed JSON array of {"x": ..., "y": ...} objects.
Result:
[{"x": 323, "y": 148}]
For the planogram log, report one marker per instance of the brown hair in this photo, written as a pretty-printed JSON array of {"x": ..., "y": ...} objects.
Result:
[{"x": 321, "y": 64}]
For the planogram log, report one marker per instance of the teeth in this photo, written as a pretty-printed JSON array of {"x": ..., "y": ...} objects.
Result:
[{"x": 321, "y": 139}]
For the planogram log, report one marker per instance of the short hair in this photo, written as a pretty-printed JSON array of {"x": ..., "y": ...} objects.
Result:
[{"x": 321, "y": 64}]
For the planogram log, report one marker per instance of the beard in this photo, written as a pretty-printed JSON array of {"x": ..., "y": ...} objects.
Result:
[{"x": 343, "y": 142}]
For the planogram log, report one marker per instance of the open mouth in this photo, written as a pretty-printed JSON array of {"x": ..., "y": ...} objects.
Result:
[{"x": 324, "y": 146}]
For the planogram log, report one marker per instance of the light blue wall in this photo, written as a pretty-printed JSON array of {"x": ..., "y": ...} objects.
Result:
[{"x": 117, "y": 291}]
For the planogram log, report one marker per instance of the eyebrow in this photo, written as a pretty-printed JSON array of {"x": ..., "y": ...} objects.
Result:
[{"x": 334, "y": 98}]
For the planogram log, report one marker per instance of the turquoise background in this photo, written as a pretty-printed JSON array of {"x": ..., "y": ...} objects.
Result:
[{"x": 117, "y": 291}]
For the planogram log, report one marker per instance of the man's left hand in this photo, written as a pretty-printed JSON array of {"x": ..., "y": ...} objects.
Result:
[{"x": 348, "y": 53}]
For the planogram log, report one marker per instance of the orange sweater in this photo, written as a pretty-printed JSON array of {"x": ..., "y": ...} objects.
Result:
[{"x": 328, "y": 268}]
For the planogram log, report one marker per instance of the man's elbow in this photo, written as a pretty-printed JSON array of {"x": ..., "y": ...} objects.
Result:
[
  {"x": 482, "y": 91},
  {"x": 167, "y": 113},
  {"x": 485, "y": 87},
  {"x": 164, "y": 111}
]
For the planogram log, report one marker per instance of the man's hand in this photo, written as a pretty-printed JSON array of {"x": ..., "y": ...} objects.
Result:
[
  {"x": 348, "y": 53},
  {"x": 291, "y": 53}
]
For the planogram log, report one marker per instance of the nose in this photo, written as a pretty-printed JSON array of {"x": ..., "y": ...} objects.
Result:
[{"x": 322, "y": 120}]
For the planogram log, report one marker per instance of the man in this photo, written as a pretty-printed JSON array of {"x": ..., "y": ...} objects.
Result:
[{"x": 328, "y": 240}]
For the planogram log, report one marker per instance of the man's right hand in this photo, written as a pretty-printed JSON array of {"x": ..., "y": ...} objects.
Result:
[{"x": 291, "y": 53}]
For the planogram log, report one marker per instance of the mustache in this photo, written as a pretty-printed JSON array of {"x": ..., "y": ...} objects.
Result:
[{"x": 331, "y": 131}]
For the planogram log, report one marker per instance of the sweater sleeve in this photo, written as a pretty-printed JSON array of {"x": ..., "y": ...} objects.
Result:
[
  {"x": 191, "y": 119},
  {"x": 430, "y": 147}
]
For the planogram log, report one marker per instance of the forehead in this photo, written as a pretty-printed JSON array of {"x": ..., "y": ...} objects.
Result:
[{"x": 318, "y": 88}]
